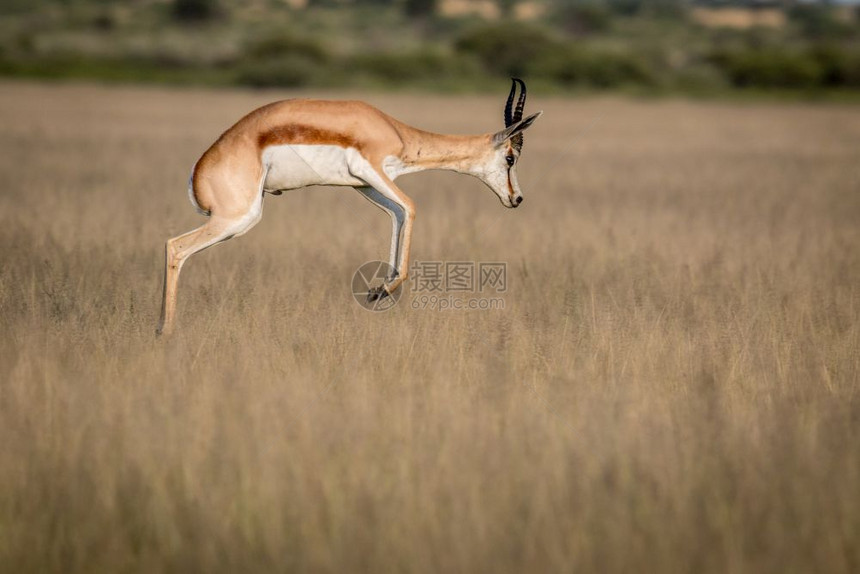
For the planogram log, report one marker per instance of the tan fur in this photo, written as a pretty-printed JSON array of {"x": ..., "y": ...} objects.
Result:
[{"x": 229, "y": 178}]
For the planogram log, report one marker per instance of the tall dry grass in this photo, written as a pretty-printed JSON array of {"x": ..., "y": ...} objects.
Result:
[{"x": 671, "y": 387}]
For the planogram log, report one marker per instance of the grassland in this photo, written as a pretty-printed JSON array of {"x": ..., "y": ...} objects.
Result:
[{"x": 673, "y": 385}]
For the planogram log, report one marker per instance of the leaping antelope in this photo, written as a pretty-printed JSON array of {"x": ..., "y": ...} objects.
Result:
[{"x": 297, "y": 143}]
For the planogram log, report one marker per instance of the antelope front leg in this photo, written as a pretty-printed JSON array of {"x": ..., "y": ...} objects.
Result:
[
  {"x": 388, "y": 197},
  {"x": 401, "y": 270},
  {"x": 402, "y": 217},
  {"x": 395, "y": 212}
]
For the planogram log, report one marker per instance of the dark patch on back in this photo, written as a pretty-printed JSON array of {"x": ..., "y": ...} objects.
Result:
[{"x": 300, "y": 134}]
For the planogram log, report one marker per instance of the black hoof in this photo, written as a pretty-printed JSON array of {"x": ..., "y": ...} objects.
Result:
[{"x": 376, "y": 294}]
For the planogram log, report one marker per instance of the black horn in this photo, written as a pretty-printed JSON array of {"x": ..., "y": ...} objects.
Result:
[
  {"x": 515, "y": 115},
  {"x": 521, "y": 103},
  {"x": 509, "y": 118},
  {"x": 512, "y": 117}
]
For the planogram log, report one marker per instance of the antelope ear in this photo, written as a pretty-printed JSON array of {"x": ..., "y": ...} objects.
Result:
[{"x": 501, "y": 137}]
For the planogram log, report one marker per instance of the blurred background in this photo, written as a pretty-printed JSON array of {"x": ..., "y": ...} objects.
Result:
[
  {"x": 672, "y": 386},
  {"x": 646, "y": 46}
]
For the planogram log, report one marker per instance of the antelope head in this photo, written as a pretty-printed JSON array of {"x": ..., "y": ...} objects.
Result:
[{"x": 500, "y": 167}]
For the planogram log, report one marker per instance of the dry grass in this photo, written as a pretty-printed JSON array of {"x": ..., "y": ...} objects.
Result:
[{"x": 672, "y": 387}]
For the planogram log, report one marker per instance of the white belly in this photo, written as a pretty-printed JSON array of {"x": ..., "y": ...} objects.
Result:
[{"x": 294, "y": 166}]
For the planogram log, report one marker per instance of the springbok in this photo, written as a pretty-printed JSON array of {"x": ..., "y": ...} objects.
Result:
[{"x": 297, "y": 143}]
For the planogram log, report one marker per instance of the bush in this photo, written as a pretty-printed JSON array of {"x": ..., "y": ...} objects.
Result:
[
  {"x": 283, "y": 60},
  {"x": 281, "y": 44},
  {"x": 600, "y": 69},
  {"x": 625, "y": 7},
  {"x": 420, "y": 8},
  {"x": 412, "y": 67},
  {"x": 508, "y": 49},
  {"x": 816, "y": 20},
  {"x": 700, "y": 78},
  {"x": 583, "y": 18},
  {"x": 288, "y": 72},
  {"x": 769, "y": 68},
  {"x": 839, "y": 68},
  {"x": 195, "y": 10},
  {"x": 666, "y": 9}
]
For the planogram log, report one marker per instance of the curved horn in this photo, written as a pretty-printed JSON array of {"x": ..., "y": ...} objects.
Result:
[
  {"x": 521, "y": 103},
  {"x": 509, "y": 118},
  {"x": 517, "y": 140}
]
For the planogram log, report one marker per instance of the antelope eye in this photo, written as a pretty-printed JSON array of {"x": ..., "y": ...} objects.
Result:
[{"x": 510, "y": 160}]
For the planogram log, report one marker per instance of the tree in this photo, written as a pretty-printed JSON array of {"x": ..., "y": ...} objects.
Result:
[
  {"x": 583, "y": 17},
  {"x": 506, "y": 7},
  {"x": 509, "y": 48},
  {"x": 195, "y": 10},
  {"x": 420, "y": 8}
]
